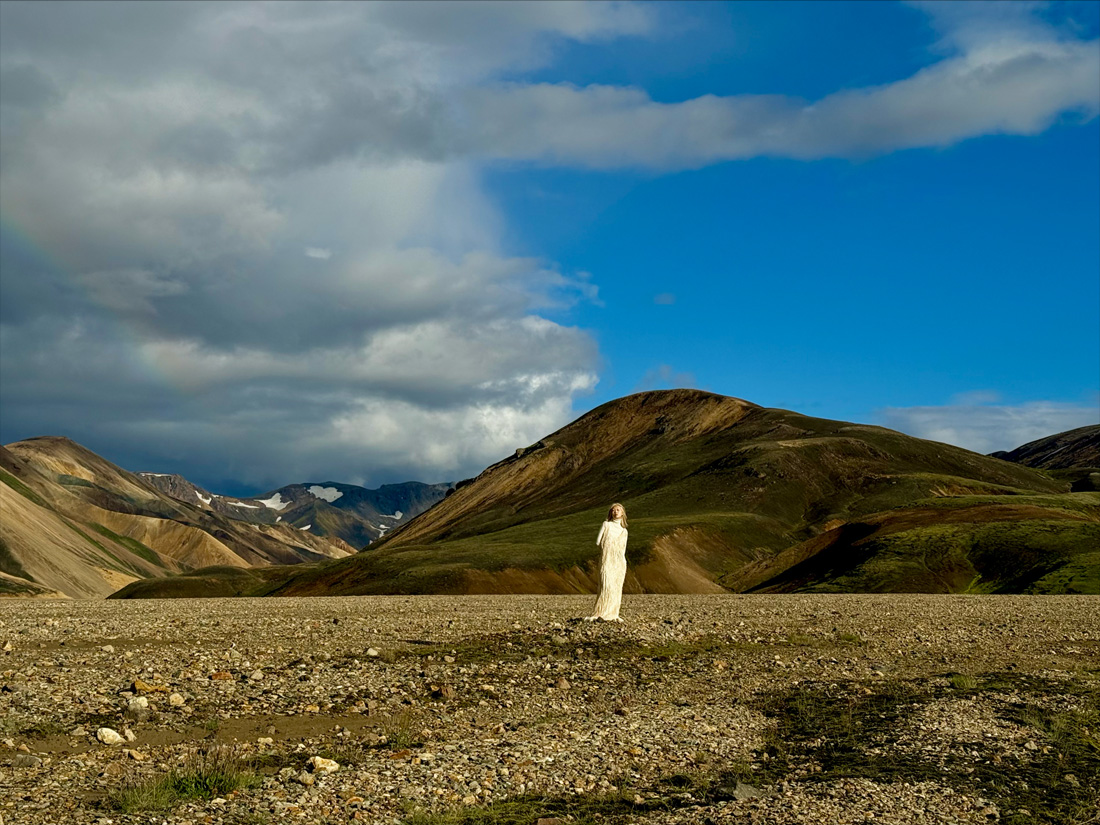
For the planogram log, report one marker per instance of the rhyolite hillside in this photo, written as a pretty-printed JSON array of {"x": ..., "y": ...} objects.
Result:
[{"x": 73, "y": 524}]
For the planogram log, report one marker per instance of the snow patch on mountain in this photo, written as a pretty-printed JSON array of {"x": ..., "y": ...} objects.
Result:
[
  {"x": 329, "y": 494},
  {"x": 242, "y": 504},
  {"x": 198, "y": 495},
  {"x": 306, "y": 527},
  {"x": 275, "y": 502}
]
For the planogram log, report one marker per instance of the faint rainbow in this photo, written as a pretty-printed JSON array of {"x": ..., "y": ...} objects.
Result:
[{"x": 32, "y": 254}]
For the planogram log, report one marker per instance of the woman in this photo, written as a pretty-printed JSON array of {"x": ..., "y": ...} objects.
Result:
[{"x": 612, "y": 541}]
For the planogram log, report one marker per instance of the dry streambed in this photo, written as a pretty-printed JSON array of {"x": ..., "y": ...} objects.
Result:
[{"x": 704, "y": 709}]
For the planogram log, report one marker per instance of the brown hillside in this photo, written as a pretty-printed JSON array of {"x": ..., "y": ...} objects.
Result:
[
  {"x": 72, "y": 522},
  {"x": 715, "y": 488}
]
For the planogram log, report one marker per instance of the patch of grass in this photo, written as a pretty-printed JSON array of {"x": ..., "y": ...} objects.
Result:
[
  {"x": 10, "y": 564},
  {"x": 402, "y": 730},
  {"x": 202, "y": 776},
  {"x": 1070, "y": 747},
  {"x": 824, "y": 732},
  {"x": 963, "y": 681},
  {"x": 43, "y": 728},
  {"x": 22, "y": 488},
  {"x": 849, "y": 638},
  {"x": 526, "y": 810},
  {"x": 133, "y": 545},
  {"x": 801, "y": 640}
]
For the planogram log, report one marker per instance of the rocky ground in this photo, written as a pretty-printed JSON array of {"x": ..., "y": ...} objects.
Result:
[{"x": 697, "y": 709}]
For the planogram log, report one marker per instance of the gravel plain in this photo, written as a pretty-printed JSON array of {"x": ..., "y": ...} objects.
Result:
[{"x": 698, "y": 709}]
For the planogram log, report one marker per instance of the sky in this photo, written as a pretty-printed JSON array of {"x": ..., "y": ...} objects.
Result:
[{"x": 265, "y": 243}]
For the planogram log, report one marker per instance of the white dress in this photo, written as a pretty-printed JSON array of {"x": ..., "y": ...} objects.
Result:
[{"x": 612, "y": 542}]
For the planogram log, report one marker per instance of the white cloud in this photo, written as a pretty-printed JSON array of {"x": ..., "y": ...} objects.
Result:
[
  {"x": 986, "y": 427},
  {"x": 663, "y": 376},
  {"x": 1009, "y": 87},
  {"x": 181, "y": 162}
]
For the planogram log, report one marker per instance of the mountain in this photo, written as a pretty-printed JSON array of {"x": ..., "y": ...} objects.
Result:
[
  {"x": 1072, "y": 456},
  {"x": 72, "y": 523},
  {"x": 723, "y": 494},
  {"x": 354, "y": 514}
]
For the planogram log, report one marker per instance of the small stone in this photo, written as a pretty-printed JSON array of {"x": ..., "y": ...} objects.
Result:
[
  {"x": 7, "y": 647},
  {"x": 78, "y": 731},
  {"x": 562, "y": 684},
  {"x": 138, "y": 709},
  {"x": 108, "y": 649},
  {"x": 305, "y": 778},
  {"x": 140, "y": 686},
  {"x": 137, "y": 756},
  {"x": 318, "y": 764},
  {"x": 1072, "y": 780},
  {"x": 372, "y": 652},
  {"x": 449, "y": 659},
  {"x": 1031, "y": 746},
  {"x": 256, "y": 675},
  {"x": 221, "y": 675},
  {"x": 743, "y": 791},
  {"x": 109, "y": 736},
  {"x": 235, "y": 655},
  {"x": 265, "y": 740},
  {"x": 176, "y": 700},
  {"x": 129, "y": 734},
  {"x": 25, "y": 760}
]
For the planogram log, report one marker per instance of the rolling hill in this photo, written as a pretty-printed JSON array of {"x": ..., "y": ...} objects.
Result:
[
  {"x": 1072, "y": 456},
  {"x": 725, "y": 495},
  {"x": 354, "y": 514},
  {"x": 72, "y": 523}
]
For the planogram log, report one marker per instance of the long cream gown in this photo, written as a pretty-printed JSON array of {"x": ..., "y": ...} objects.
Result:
[{"x": 612, "y": 543}]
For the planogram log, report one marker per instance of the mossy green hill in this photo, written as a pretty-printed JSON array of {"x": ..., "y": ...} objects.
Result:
[{"x": 723, "y": 494}]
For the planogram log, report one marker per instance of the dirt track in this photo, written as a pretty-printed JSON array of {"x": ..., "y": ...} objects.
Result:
[{"x": 815, "y": 709}]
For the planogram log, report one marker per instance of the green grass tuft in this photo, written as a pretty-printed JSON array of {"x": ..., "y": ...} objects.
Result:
[{"x": 203, "y": 776}]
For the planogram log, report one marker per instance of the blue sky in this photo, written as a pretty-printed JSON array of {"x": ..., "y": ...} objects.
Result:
[{"x": 266, "y": 243}]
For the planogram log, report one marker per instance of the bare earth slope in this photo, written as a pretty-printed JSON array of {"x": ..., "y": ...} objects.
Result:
[
  {"x": 72, "y": 522},
  {"x": 724, "y": 494}
]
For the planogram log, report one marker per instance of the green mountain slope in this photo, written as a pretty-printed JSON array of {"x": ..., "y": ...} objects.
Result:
[{"x": 721, "y": 494}]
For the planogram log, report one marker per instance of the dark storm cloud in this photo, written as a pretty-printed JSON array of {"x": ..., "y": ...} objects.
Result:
[{"x": 251, "y": 238}]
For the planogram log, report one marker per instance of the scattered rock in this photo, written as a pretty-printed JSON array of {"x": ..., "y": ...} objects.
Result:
[
  {"x": 25, "y": 760},
  {"x": 318, "y": 764},
  {"x": 109, "y": 736},
  {"x": 141, "y": 686},
  {"x": 176, "y": 700},
  {"x": 221, "y": 675},
  {"x": 372, "y": 652},
  {"x": 256, "y": 675}
]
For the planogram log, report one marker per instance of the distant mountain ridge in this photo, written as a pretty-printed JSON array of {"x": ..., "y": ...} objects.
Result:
[
  {"x": 355, "y": 514},
  {"x": 1073, "y": 449},
  {"x": 74, "y": 524}
]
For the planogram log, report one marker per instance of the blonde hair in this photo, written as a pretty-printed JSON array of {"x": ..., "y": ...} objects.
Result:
[{"x": 611, "y": 512}]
